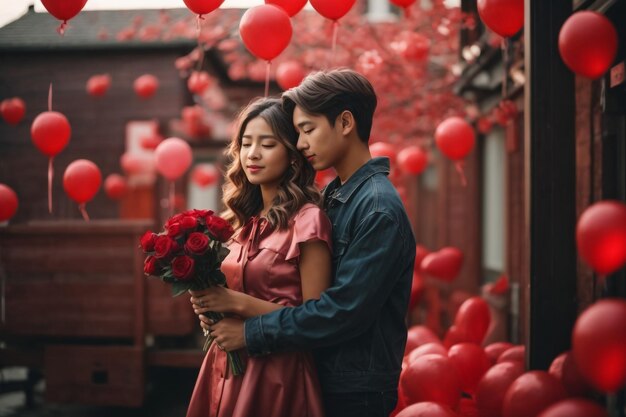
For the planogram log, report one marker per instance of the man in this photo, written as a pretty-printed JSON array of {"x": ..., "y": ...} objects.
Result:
[{"x": 357, "y": 327}]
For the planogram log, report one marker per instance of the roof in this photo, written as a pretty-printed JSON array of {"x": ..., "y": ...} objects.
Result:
[{"x": 109, "y": 29}]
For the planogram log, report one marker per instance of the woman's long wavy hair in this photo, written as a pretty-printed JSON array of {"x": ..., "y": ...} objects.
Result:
[{"x": 243, "y": 200}]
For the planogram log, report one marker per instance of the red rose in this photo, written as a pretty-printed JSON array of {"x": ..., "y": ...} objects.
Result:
[
  {"x": 174, "y": 229},
  {"x": 219, "y": 228},
  {"x": 188, "y": 223},
  {"x": 197, "y": 243},
  {"x": 182, "y": 268},
  {"x": 150, "y": 265},
  {"x": 198, "y": 214},
  {"x": 147, "y": 241},
  {"x": 165, "y": 246}
]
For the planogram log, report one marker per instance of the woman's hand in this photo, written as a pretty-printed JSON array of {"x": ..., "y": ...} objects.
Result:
[
  {"x": 228, "y": 333},
  {"x": 217, "y": 299}
]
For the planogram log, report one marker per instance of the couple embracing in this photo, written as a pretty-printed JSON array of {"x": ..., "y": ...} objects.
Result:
[{"x": 318, "y": 285}]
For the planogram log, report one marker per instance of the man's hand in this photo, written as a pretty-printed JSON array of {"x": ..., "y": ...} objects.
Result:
[{"x": 227, "y": 333}]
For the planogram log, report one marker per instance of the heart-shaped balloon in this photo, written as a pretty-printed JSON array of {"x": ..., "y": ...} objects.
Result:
[{"x": 444, "y": 264}]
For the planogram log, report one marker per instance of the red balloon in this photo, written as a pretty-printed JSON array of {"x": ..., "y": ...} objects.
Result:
[
  {"x": 115, "y": 186},
  {"x": 531, "y": 393},
  {"x": 199, "y": 81},
  {"x": 203, "y": 6},
  {"x": 64, "y": 9},
  {"x": 574, "y": 407},
  {"x": 455, "y": 138},
  {"x": 412, "y": 160},
  {"x": 419, "y": 335},
  {"x": 173, "y": 157},
  {"x": 417, "y": 290},
  {"x": 588, "y": 43},
  {"x": 151, "y": 142},
  {"x": 383, "y": 149},
  {"x": 411, "y": 45},
  {"x": 13, "y": 110},
  {"x": 402, "y": 3},
  {"x": 471, "y": 364},
  {"x": 82, "y": 180},
  {"x": 332, "y": 9},
  {"x": 420, "y": 254},
  {"x": 493, "y": 385},
  {"x": 467, "y": 408},
  {"x": 289, "y": 74},
  {"x": 146, "y": 85},
  {"x": 495, "y": 349},
  {"x": 50, "y": 132},
  {"x": 514, "y": 354},
  {"x": 431, "y": 378},
  {"x": 8, "y": 202},
  {"x": 291, "y": 7},
  {"x": 473, "y": 318},
  {"x": 433, "y": 348},
  {"x": 98, "y": 85},
  {"x": 453, "y": 336},
  {"x": 204, "y": 175},
  {"x": 564, "y": 368},
  {"x": 601, "y": 236},
  {"x": 265, "y": 30},
  {"x": 599, "y": 344},
  {"x": 426, "y": 409},
  {"x": 505, "y": 17},
  {"x": 444, "y": 264}
]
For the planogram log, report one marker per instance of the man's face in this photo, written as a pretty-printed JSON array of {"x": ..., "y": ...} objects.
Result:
[{"x": 321, "y": 144}]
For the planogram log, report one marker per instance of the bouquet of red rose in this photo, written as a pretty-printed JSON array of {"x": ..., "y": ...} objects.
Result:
[{"x": 188, "y": 254}]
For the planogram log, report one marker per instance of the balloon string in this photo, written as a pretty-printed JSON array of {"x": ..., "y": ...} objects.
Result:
[
  {"x": 83, "y": 211},
  {"x": 50, "y": 175},
  {"x": 172, "y": 198},
  {"x": 267, "y": 78},
  {"x": 61, "y": 29},
  {"x": 459, "y": 169},
  {"x": 199, "y": 24},
  {"x": 50, "y": 98},
  {"x": 505, "y": 59},
  {"x": 334, "y": 44}
]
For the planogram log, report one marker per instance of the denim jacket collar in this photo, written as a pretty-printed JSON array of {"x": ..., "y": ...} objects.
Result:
[{"x": 343, "y": 192}]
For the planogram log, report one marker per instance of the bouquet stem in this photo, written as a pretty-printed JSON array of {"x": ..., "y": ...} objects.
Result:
[{"x": 234, "y": 360}]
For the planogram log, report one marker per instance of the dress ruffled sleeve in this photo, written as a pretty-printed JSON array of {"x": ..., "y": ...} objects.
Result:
[{"x": 311, "y": 223}]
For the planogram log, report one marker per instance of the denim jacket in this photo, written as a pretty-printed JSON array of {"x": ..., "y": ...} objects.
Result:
[{"x": 357, "y": 328}]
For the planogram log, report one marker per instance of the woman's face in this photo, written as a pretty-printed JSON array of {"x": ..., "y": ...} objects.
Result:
[{"x": 263, "y": 157}]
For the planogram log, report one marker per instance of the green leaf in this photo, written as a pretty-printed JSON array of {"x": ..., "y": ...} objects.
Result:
[{"x": 180, "y": 287}]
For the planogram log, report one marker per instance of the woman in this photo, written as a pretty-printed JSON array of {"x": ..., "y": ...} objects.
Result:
[{"x": 279, "y": 258}]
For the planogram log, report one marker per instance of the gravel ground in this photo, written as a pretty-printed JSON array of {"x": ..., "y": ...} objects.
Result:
[{"x": 166, "y": 396}]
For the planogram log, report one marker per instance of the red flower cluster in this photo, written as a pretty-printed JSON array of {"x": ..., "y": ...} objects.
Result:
[{"x": 189, "y": 252}]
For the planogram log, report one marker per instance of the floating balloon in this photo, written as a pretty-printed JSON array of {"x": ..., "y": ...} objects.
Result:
[
  {"x": 115, "y": 186},
  {"x": 81, "y": 182},
  {"x": 601, "y": 236},
  {"x": 453, "y": 336},
  {"x": 494, "y": 350},
  {"x": 332, "y": 9},
  {"x": 98, "y": 85},
  {"x": 444, "y": 264},
  {"x": 588, "y": 43},
  {"x": 431, "y": 378},
  {"x": 411, "y": 46},
  {"x": 455, "y": 138},
  {"x": 199, "y": 81},
  {"x": 412, "y": 160},
  {"x": 265, "y": 30},
  {"x": 574, "y": 407},
  {"x": 505, "y": 17},
  {"x": 173, "y": 157},
  {"x": 515, "y": 353},
  {"x": 291, "y": 7},
  {"x": 204, "y": 175},
  {"x": 564, "y": 368},
  {"x": 405, "y": 4},
  {"x": 151, "y": 142},
  {"x": 426, "y": 409},
  {"x": 471, "y": 363},
  {"x": 383, "y": 149},
  {"x": 599, "y": 344},
  {"x": 8, "y": 202},
  {"x": 419, "y": 335},
  {"x": 63, "y": 10},
  {"x": 531, "y": 393},
  {"x": 50, "y": 132},
  {"x": 432, "y": 348},
  {"x": 13, "y": 110},
  {"x": 472, "y": 319},
  {"x": 289, "y": 74},
  {"x": 146, "y": 85},
  {"x": 493, "y": 385},
  {"x": 202, "y": 7}
]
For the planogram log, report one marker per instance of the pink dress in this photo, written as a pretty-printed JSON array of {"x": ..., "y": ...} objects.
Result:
[{"x": 264, "y": 263}]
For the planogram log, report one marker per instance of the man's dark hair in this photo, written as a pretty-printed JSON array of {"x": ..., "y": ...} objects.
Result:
[{"x": 329, "y": 93}]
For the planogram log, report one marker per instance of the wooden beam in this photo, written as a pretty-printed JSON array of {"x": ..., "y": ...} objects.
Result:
[{"x": 550, "y": 296}]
